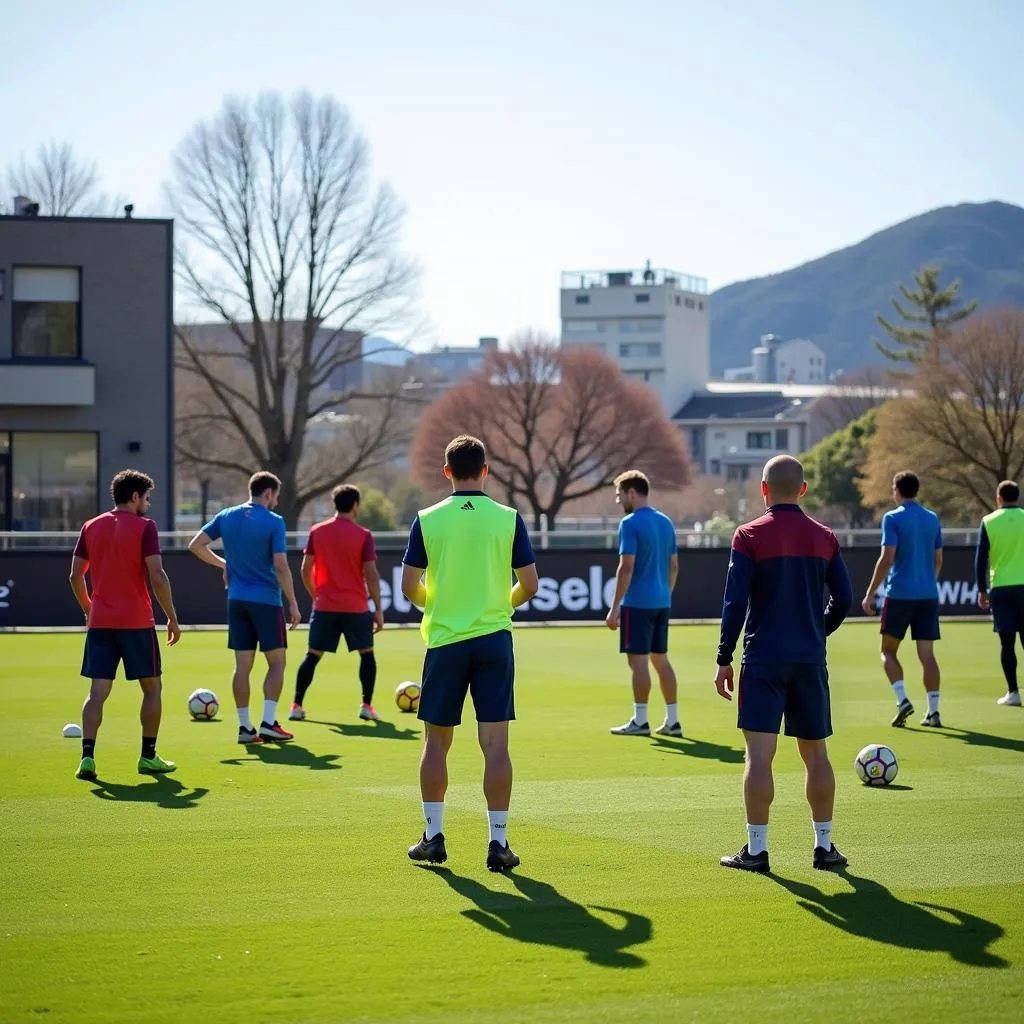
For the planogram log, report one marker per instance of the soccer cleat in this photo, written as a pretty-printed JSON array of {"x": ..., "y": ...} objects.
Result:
[
  {"x": 631, "y": 728},
  {"x": 297, "y": 714},
  {"x": 155, "y": 765},
  {"x": 274, "y": 731},
  {"x": 932, "y": 720},
  {"x": 87, "y": 770},
  {"x": 747, "y": 861},
  {"x": 903, "y": 712},
  {"x": 246, "y": 736},
  {"x": 431, "y": 850},
  {"x": 828, "y": 860},
  {"x": 1011, "y": 700},
  {"x": 665, "y": 729},
  {"x": 500, "y": 858},
  {"x": 367, "y": 713}
]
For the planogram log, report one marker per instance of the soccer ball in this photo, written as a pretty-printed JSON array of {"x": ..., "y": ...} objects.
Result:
[
  {"x": 876, "y": 765},
  {"x": 407, "y": 696},
  {"x": 203, "y": 704}
]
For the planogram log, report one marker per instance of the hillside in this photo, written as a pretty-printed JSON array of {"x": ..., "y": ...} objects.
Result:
[{"x": 833, "y": 300}]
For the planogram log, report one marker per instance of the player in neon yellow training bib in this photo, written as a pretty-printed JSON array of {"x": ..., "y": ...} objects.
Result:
[{"x": 458, "y": 568}]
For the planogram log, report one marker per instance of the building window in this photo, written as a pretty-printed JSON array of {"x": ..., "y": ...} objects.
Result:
[
  {"x": 700, "y": 306},
  {"x": 642, "y": 297},
  {"x": 46, "y": 313},
  {"x": 782, "y": 439},
  {"x": 580, "y": 327},
  {"x": 737, "y": 474},
  {"x": 53, "y": 480},
  {"x": 582, "y": 300},
  {"x": 649, "y": 326},
  {"x": 679, "y": 301},
  {"x": 759, "y": 439},
  {"x": 632, "y": 349},
  {"x": 715, "y": 467},
  {"x": 690, "y": 304}
]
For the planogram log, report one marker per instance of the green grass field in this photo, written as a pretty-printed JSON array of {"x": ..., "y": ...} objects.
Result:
[{"x": 274, "y": 884}]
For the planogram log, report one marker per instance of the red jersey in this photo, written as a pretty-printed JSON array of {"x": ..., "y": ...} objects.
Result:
[
  {"x": 116, "y": 545},
  {"x": 339, "y": 548}
]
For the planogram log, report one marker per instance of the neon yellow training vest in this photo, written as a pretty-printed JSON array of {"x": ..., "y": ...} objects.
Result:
[
  {"x": 1005, "y": 529},
  {"x": 469, "y": 568}
]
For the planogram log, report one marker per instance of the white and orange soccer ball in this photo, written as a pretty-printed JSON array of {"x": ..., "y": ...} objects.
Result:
[
  {"x": 203, "y": 705},
  {"x": 876, "y": 765},
  {"x": 407, "y": 696}
]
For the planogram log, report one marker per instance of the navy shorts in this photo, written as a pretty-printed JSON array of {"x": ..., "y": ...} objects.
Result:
[
  {"x": 327, "y": 628},
  {"x": 1007, "y": 609},
  {"x": 137, "y": 649},
  {"x": 644, "y": 631},
  {"x": 483, "y": 666},
  {"x": 794, "y": 692},
  {"x": 252, "y": 624},
  {"x": 920, "y": 617}
]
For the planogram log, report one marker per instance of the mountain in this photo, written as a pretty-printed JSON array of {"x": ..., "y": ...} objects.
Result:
[{"x": 833, "y": 300}]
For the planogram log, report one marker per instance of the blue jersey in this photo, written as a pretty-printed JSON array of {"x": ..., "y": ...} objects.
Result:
[
  {"x": 252, "y": 535},
  {"x": 916, "y": 534},
  {"x": 649, "y": 536}
]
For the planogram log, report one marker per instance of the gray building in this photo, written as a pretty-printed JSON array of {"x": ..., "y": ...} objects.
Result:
[{"x": 86, "y": 371}]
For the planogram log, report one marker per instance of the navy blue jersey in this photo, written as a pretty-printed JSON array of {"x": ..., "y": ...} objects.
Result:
[{"x": 780, "y": 569}]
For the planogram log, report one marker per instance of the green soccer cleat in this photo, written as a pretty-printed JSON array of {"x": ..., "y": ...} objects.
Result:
[
  {"x": 155, "y": 765},
  {"x": 87, "y": 770}
]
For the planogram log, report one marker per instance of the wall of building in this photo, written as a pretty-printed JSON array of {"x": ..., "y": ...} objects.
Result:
[{"x": 720, "y": 444}]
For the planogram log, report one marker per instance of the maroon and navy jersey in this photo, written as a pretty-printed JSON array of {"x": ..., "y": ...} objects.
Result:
[{"x": 781, "y": 567}]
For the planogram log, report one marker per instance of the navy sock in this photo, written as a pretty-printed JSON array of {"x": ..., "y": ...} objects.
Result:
[
  {"x": 304, "y": 677},
  {"x": 367, "y": 675}
]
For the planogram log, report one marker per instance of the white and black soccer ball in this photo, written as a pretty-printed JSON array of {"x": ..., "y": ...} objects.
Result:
[
  {"x": 203, "y": 705},
  {"x": 876, "y": 765}
]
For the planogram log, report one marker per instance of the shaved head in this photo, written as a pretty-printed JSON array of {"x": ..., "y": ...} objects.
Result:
[{"x": 784, "y": 478}]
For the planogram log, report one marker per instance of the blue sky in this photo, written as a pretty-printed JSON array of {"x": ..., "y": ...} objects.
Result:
[{"x": 727, "y": 139}]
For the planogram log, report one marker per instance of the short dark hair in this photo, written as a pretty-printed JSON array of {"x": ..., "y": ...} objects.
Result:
[
  {"x": 466, "y": 457},
  {"x": 128, "y": 483},
  {"x": 633, "y": 480},
  {"x": 345, "y": 497},
  {"x": 1009, "y": 491},
  {"x": 263, "y": 481},
  {"x": 906, "y": 484}
]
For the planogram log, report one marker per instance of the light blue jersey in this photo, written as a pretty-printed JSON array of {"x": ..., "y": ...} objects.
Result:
[
  {"x": 252, "y": 535},
  {"x": 916, "y": 534}
]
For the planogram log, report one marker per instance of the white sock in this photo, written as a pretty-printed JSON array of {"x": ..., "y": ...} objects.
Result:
[
  {"x": 823, "y": 834},
  {"x": 900, "y": 690},
  {"x": 243, "y": 718},
  {"x": 270, "y": 711},
  {"x": 757, "y": 838},
  {"x": 933, "y": 702},
  {"x": 640, "y": 714},
  {"x": 672, "y": 714},
  {"x": 498, "y": 822},
  {"x": 433, "y": 816}
]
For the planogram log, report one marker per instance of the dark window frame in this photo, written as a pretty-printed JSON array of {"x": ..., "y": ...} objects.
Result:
[
  {"x": 12, "y": 434},
  {"x": 756, "y": 435},
  {"x": 77, "y": 357}
]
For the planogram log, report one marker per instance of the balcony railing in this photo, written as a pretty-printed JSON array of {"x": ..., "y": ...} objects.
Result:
[{"x": 645, "y": 277}]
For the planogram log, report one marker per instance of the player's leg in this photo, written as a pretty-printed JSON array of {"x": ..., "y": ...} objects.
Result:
[
  {"x": 925, "y": 631},
  {"x": 894, "y": 629},
  {"x": 1008, "y": 662},
  {"x": 1008, "y": 621},
  {"x": 273, "y": 684},
  {"x": 140, "y": 653},
  {"x": 99, "y": 664},
  {"x": 666, "y": 676},
  {"x": 324, "y": 633},
  {"x": 303, "y": 681},
  {"x": 359, "y": 637},
  {"x": 242, "y": 640},
  {"x": 636, "y": 634}
]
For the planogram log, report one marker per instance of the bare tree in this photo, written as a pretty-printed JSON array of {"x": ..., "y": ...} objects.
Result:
[
  {"x": 851, "y": 397},
  {"x": 558, "y": 424},
  {"x": 63, "y": 184},
  {"x": 288, "y": 235}
]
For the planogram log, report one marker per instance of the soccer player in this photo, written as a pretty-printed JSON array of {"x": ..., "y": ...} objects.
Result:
[
  {"x": 644, "y": 581},
  {"x": 458, "y": 568},
  {"x": 779, "y": 570},
  {"x": 120, "y": 550},
  {"x": 999, "y": 570},
  {"x": 910, "y": 563},
  {"x": 256, "y": 572},
  {"x": 339, "y": 566}
]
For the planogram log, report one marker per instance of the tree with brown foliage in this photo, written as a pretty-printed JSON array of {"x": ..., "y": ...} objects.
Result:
[
  {"x": 558, "y": 423},
  {"x": 962, "y": 426}
]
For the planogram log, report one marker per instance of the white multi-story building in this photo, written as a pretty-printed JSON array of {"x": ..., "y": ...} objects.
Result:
[
  {"x": 797, "y": 361},
  {"x": 654, "y": 323}
]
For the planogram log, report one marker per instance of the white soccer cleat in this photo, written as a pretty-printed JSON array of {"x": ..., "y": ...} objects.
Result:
[
  {"x": 631, "y": 728},
  {"x": 297, "y": 713},
  {"x": 675, "y": 729},
  {"x": 1011, "y": 700},
  {"x": 368, "y": 714}
]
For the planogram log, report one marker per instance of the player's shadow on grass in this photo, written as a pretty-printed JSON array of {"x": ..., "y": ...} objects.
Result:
[
  {"x": 543, "y": 916},
  {"x": 162, "y": 790},
  {"x": 980, "y": 739},
  {"x": 691, "y": 747},
  {"x": 378, "y": 730},
  {"x": 292, "y": 754},
  {"x": 872, "y": 912}
]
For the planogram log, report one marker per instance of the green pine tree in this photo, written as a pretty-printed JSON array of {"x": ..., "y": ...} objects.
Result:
[{"x": 934, "y": 307}]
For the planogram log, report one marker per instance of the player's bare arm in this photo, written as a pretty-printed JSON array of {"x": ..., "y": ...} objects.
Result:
[
  {"x": 161, "y": 585},
  {"x": 199, "y": 545},
  {"x": 938, "y": 562},
  {"x": 882, "y": 567},
  {"x": 372, "y": 578},
  {"x": 725, "y": 681},
  {"x": 673, "y": 572},
  {"x": 526, "y": 586},
  {"x": 79, "y": 567},
  {"x": 284, "y": 580},
  {"x": 623, "y": 577},
  {"x": 306, "y": 572},
  {"x": 412, "y": 585}
]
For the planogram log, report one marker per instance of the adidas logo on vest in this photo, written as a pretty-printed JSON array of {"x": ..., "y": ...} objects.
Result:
[{"x": 468, "y": 507}]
